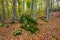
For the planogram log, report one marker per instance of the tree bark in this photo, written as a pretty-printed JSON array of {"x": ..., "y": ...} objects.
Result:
[
  {"x": 3, "y": 11},
  {"x": 47, "y": 9},
  {"x": 14, "y": 9},
  {"x": 19, "y": 8},
  {"x": 8, "y": 9}
]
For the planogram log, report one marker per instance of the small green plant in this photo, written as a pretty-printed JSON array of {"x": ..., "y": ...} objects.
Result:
[
  {"x": 17, "y": 32},
  {"x": 12, "y": 22},
  {"x": 27, "y": 18},
  {"x": 28, "y": 24},
  {"x": 29, "y": 27},
  {"x": 22, "y": 18},
  {"x": 4, "y": 25}
]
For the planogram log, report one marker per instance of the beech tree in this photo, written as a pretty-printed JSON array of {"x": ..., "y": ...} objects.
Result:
[
  {"x": 14, "y": 9},
  {"x": 3, "y": 11}
]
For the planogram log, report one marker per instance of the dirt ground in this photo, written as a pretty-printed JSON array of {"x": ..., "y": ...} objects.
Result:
[{"x": 48, "y": 31}]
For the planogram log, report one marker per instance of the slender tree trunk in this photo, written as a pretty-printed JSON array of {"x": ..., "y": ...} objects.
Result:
[
  {"x": 23, "y": 6},
  {"x": 3, "y": 11},
  {"x": 47, "y": 9},
  {"x": 0, "y": 11},
  {"x": 51, "y": 10},
  {"x": 8, "y": 9},
  {"x": 31, "y": 5},
  {"x": 19, "y": 7},
  {"x": 24, "y": 12},
  {"x": 40, "y": 5},
  {"x": 14, "y": 9},
  {"x": 58, "y": 2},
  {"x": 53, "y": 3},
  {"x": 34, "y": 9}
]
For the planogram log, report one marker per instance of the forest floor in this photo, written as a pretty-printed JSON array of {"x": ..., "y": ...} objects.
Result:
[{"x": 48, "y": 31}]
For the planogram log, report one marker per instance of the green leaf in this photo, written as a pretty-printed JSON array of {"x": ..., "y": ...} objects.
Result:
[{"x": 17, "y": 32}]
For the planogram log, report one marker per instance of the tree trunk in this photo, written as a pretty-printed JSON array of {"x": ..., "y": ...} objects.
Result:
[
  {"x": 47, "y": 9},
  {"x": 19, "y": 8},
  {"x": 14, "y": 9},
  {"x": 8, "y": 9},
  {"x": 34, "y": 9},
  {"x": 31, "y": 5},
  {"x": 23, "y": 6},
  {"x": 3, "y": 11}
]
